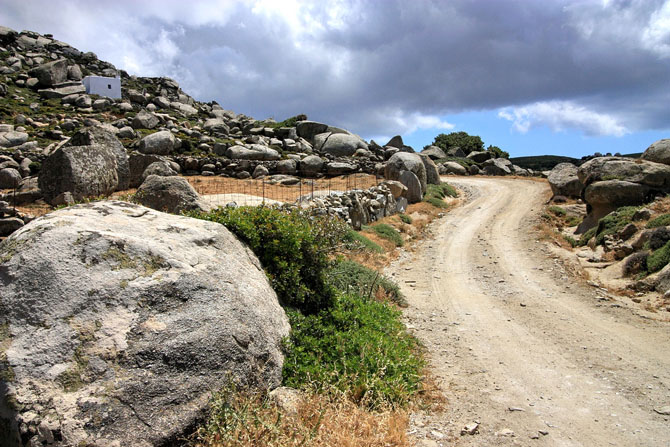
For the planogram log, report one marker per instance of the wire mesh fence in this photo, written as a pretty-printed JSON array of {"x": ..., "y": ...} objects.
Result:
[{"x": 219, "y": 191}]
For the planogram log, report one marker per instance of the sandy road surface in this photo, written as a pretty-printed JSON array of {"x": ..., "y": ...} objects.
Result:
[{"x": 533, "y": 354}]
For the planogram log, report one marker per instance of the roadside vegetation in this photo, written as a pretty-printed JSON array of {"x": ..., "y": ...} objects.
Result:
[{"x": 356, "y": 366}]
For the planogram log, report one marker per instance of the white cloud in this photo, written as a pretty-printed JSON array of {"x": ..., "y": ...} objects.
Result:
[
  {"x": 656, "y": 35},
  {"x": 561, "y": 116}
]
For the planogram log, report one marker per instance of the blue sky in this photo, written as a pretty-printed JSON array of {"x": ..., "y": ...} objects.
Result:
[{"x": 564, "y": 77}]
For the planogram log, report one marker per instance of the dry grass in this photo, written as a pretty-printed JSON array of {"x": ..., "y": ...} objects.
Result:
[
  {"x": 289, "y": 193},
  {"x": 319, "y": 420}
]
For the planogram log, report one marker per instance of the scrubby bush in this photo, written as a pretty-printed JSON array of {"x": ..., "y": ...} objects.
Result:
[
  {"x": 359, "y": 347},
  {"x": 659, "y": 258},
  {"x": 352, "y": 277},
  {"x": 467, "y": 143},
  {"x": 405, "y": 218},
  {"x": 586, "y": 237},
  {"x": 292, "y": 247},
  {"x": 354, "y": 240},
  {"x": 387, "y": 232},
  {"x": 659, "y": 221},
  {"x": 435, "y": 194},
  {"x": 658, "y": 237},
  {"x": 614, "y": 222},
  {"x": 557, "y": 211}
]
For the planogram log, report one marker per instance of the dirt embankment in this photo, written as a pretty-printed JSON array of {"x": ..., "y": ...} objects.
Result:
[{"x": 520, "y": 346}]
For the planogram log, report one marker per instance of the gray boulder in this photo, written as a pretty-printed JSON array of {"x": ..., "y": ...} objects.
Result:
[
  {"x": 404, "y": 161},
  {"x": 98, "y": 135},
  {"x": 170, "y": 194},
  {"x": 654, "y": 175},
  {"x": 397, "y": 189},
  {"x": 497, "y": 166},
  {"x": 83, "y": 171},
  {"x": 309, "y": 129},
  {"x": 432, "y": 173},
  {"x": 10, "y": 178},
  {"x": 414, "y": 192},
  {"x": 160, "y": 168},
  {"x": 340, "y": 168},
  {"x": 119, "y": 322},
  {"x": 8, "y": 225},
  {"x": 145, "y": 120},
  {"x": 456, "y": 152},
  {"x": 252, "y": 152},
  {"x": 311, "y": 165},
  {"x": 396, "y": 142},
  {"x": 603, "y": 197},
  {"x": 479, "y": 156},
  {"x": 260, "y": 171},
  {"x": 138, "y": 164},
  {"x": 13, "y": 138},
  {"x": 158, "y": 143},
  {"x": 434, "y": 152},
  {"x": 216, "y": 126},
  {"x": 289, "y": 167},
  {"x": 658, "y": 152},
  {"x": 51, "y": 73},
  {"x": 451, "y": 167},
  {"x": 338, "y": 144},
  {"x": 564, "y": 181}
]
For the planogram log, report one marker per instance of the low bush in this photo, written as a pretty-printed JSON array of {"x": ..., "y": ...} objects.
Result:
[
  {"x": 352, "y": 277},
  {"x": 557, "y": 211},
  {"x": 387, "y": 232},
  {"x": 659, "y": 258},
  {"x": 610, "y": 224},
  {"x": 293, "y": 248},
  {"x": 435, "y": 194},
  {"x": 405, "y": 218},
  {"x": 586, "y": 237},
  {"x": 359, "y": 347},
  {"x": 659, "y": 221},
  {"x": 354, "y": 240}
]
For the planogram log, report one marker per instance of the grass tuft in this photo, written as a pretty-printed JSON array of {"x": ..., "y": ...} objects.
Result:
[{"x": 387, "y": 232}]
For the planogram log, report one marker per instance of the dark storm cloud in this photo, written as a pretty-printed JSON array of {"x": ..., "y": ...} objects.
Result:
[{"x": 381, "y": 67}]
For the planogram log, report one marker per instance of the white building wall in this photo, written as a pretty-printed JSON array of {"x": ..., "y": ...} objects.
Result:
[{"x": 100, "y": 85}]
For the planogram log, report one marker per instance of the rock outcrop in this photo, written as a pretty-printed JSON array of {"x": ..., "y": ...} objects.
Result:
[
  {"x": 564, "y": 181},
  {"x": 404, "y": 161},
  {"x": 117, "y": 322}
]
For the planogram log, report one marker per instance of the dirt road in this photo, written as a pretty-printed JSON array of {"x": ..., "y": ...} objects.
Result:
[{"x": 531, "y": 353}]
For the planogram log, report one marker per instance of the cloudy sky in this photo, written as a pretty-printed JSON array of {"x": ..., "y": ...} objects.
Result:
[{"x": 531, "y": 76}]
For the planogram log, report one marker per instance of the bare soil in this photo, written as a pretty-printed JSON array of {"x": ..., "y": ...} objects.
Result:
[{"x": 521, "y": 345}]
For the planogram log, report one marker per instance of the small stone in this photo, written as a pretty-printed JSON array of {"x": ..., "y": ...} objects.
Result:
[
  {"x": 505, "y": 432},
  {"x": 543, "y": 432},
  {"x": 665, "y": 411},
  {"x": 436, "y": 434},
  {"x": 470, "y": 429}
]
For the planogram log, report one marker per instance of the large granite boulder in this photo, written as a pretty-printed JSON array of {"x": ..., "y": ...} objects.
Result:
[
  {"x": 563, "y": 180},
  {"x": 405, "y": 161},
  {"x": 138, "y": 164},
  {"x": 171, "y": 194},
  {"x": 479, "y": 156},
  {"x": 432, "y": 173},
  {"x": 451, "y": 167},
  {"x": 338, "y": 144},
  {"x": 161, "y": 168},
  {"x": 309, "y": 129},
  {"x": 90, "y": 136},
  {"x": 658, "y": 152},
  {"x": 414, "y": 192},
  {"x": 117, "y": 322},
  {"x": 158, "y": 143},
  {"x": 145, "y": 120},
  {"x": 10, "y": 178},
  {"x": 497, "y": 166},
  {"x": 611, "y": 182},
  {"x": 311, "y": 165},
  {"x": 83, "y": 171},
  {"x": 434, "y": 152},
  {"x": 252, "y": 152},
  {"x": 51, "y": 73}
]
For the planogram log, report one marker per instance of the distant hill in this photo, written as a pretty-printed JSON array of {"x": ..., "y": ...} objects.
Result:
[
  {"x": 543, "y": 162},
  {"x": 547, "y": 162}
]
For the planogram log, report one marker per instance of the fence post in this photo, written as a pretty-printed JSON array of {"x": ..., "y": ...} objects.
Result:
[{"x": 312, "y": 189}]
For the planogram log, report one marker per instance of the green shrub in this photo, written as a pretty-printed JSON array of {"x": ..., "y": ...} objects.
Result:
[
  {"x": 614, "y": 222},
  {"x": 659, "y": 221},
  {"x": 354, "y": 240},
  {"x": 292, "y": 247},
  {"x": 360, "y": 347},
  {"x": 586, "y": 237},
  {"x": 352, "y": 277},
  {"x": 570, "y": 240},
  {"x": 405, "y": 218},
  {"x": 387, "y": 232},
  {"x": 659, "y": 258},
  {"x": 435, "y": 194},
  {"x": 557, "y": 211},
  {"x": 573, "y": 221}
]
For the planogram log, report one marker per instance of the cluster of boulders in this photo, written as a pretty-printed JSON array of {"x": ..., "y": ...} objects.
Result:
[
  {"x": 607, "y": 183},
  {"x": 473, "y": 163}
]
